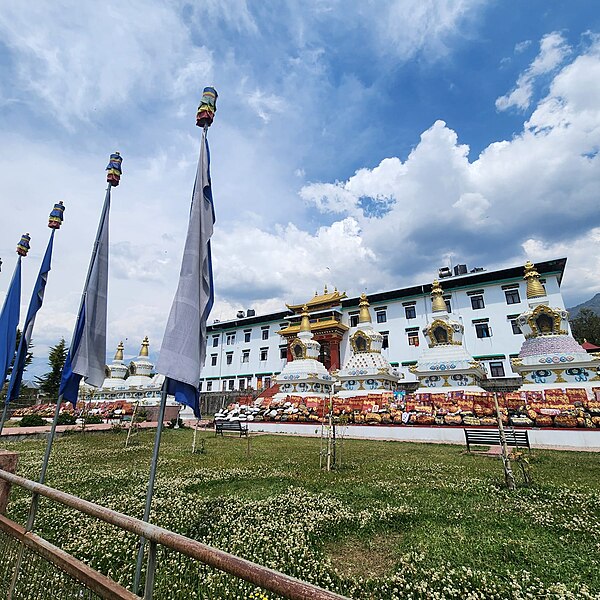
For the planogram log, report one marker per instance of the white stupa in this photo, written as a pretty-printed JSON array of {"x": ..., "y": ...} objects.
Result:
[
  {"x": 446, "y": 364},
  {"x": 116, "y": 372},
  {"x": 304, "y": 375},
  {"x": 550, "y": 357},
  {"x": 366, "y": 371}
]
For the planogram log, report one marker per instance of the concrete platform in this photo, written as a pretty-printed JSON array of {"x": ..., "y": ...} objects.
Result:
[{"x": 551, "y": 438}]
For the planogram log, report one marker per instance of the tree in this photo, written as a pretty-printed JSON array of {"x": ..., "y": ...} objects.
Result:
[
  {"x": 50, "y": 382},
  {"x": 586, "y": 326},
  {"x": 28, "y": 356}
]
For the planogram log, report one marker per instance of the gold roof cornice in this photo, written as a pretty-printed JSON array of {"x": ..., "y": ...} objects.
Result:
[{"x": 326, "y": 299}]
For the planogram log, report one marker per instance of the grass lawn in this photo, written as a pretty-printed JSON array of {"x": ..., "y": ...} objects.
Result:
[{"x": 395, "y": 520}]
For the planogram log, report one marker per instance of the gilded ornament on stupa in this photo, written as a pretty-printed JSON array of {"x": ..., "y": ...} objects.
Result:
[
  {"x": 535, "y": 288},
  {"x": 119, "y": 353},
  {"x": 305, "y": 323},
  {"x": 437, "y": 300},
  {"x": 144, "y": 348},
  {"x": 365, "y": 314}
]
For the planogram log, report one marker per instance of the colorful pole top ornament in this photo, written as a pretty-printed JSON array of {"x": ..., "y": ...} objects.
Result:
[
  {"x": 207, "y": 108},
  {"x": 56, "y": 216},
  {"x": 23, "y": 245},
  {"x": 114, "y": 169}
]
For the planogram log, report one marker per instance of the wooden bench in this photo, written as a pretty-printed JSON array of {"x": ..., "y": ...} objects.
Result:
[
  {"x": 491, "y": 437},
  {"x": 235, "y": 426}
]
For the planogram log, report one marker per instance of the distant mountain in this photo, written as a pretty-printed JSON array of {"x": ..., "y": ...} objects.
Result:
[{"x": 593, "y": 304}]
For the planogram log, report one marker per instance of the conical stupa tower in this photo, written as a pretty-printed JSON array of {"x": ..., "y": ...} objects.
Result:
[
  {"x": 550, "y": 357},
  {"x": 116, "y": 372},
  {"x": 366, "y": 371},
  {"x": 304, "y": 375},
  {"x": 140, "y": 368},
  {"x": 446, "y": 364}
]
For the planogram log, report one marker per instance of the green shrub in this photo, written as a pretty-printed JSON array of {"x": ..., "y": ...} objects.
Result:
[
  {"x": 66, "y": 419},
  {"x": 93, "y": 420},
  {"x": 32, "y": 421}
]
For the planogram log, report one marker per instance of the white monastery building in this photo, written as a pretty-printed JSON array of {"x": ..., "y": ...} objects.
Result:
[{"x": 251, "y": 350}]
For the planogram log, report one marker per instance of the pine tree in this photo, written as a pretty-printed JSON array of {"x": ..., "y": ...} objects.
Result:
[
  {"x": 586, "y": 326},
  {"x": 28, "y": 356},
  {"x": 50, "y": 382}
]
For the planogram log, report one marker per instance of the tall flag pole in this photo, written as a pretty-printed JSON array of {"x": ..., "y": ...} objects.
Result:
[
  {"x": 183, "y": 348},
  {"x": 11, "y": 310},
  {"x": 87, "y": 354},
  {"x": 14, "y": 387}
]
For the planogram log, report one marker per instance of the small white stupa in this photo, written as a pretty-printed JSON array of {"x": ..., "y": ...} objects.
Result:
[
  {"x": 304, "y": 375},
  {"x": 550, "y": 357},
  {"x": 446, "y": 364},
  {"x": 366, "y": 371}
]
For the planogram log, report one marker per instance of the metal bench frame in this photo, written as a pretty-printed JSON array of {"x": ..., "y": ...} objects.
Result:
[
  {"x": 491, "y": 437},
  {"x": 234, "y": 426}
]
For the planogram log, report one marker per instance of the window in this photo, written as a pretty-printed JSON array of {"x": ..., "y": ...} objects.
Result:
[
  {"x": 213, "y": 360},
  {"x": 242, "y": 384},
  {"x": 413, "y": 338},
  {"x": 353, "y": 320},
  {"x": 477, "y": 302},
  {"x": 247, "y": 334},
  {"x": 386, "y": 343},
  {"x": 215, "y": 341},
  {"x": 515, "y": 327},
  {"x": 264, "y": 353},
  {"x": 245, "y": 356},
  {"x": 264, "y": 333},
  {"x": 410, "y": 312},
  {"x": 267, "y": 382},
  {"x": 482, "y": 330},
  {"x": 283, "y": 352},
  {"x": 231, "y": 384},
  {"x": 497, "y": 369},
  {"x": 381, "y": 316},
  {"x": 230, "y": 339},
  {"x": 209, "y": 386},
  {"x": 229, "y": 357},
  {"x": 447, "y": 302},
  {"x": 512, "y": 296},
  {"x": 200, "y": 387},
  {"x": 224, "y": 385}
]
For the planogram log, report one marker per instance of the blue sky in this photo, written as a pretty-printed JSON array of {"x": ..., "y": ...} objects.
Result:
[{"x": 361, "y": 145}]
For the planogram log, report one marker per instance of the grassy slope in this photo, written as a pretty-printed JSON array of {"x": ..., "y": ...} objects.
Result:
[{"x": 393, "y": 515}]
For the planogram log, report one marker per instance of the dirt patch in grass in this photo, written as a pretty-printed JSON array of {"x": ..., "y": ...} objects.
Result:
[{"x": 370, "y": 557}]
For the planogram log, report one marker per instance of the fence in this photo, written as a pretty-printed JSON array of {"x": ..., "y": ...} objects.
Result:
[{"x": 72, "y": 579}]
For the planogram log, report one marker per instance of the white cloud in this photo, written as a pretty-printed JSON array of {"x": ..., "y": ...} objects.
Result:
[{"x": 553, "y": 51}]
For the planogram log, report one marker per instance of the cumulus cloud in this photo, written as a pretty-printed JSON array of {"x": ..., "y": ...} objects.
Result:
[{"x": 553, "y": 51}]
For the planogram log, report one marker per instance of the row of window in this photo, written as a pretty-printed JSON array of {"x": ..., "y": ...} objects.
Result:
[
  {"x": 230, "y": 337},
  {"x": 263, "y": 356},
  {"x": 410, "y": 310},
  {"x": 229, "y": 384}
]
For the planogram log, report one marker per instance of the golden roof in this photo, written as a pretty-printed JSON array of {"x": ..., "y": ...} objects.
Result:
[
  {"x": 325, "y": 299},
  {"x": 317, "y": 326}
]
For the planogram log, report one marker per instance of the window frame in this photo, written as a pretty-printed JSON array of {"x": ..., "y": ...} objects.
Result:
[
  {"x": 477, "y": 299},
  {"x": 381, "y": 315},
  {"x": 509, "y": 293},
  {"x": 264, "y": 352},
  {"x": 213, "y": 360},
  {"x": 497, "y": 366},
  {"x": 412, "y": 309},
  {"x": 246, "y": 356},
  {"x": 480, "y": 327}
]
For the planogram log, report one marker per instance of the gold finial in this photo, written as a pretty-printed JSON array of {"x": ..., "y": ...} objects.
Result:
[
  {"x": 535, "y": 288},
  {"x": 119, "y": 354},
  {"x": 437, "y": 300},
  {"x": 305, "y": 323},
  {"x": 365, "y": 314},
  {"x": 144, "y": 348},
  {"x": 325, "y": 289}
]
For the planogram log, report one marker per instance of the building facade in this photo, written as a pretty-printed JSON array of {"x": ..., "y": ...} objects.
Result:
[{"x": 249, "y": 351}]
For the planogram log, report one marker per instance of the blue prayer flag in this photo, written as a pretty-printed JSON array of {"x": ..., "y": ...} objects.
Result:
[
  {"x": 9, "y": 320},
  {"x": 14, "y": 386}
]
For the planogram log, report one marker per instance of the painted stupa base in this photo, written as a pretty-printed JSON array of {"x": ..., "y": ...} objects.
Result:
[{"x": 304, "y": 378}]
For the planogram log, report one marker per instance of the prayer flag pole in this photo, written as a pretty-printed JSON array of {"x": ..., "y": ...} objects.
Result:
[
  {"x": 14, "y": 387},
  {"x": 184, "y": 344}
]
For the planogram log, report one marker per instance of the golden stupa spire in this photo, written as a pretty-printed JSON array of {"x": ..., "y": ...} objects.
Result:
[
  {"x": 437, "y": 300},
  {"x": 305, "y": 323},
  {"x": 535, "y": 288},
  {"x": 119, "y": 354},
  {"x": 144, "y": 348},
  {"x": 325, "y": 290},
  {"x": 365, "y": 314}
]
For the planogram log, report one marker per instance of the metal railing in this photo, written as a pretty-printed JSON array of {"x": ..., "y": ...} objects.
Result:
[{"x": 263, "y": 577}]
